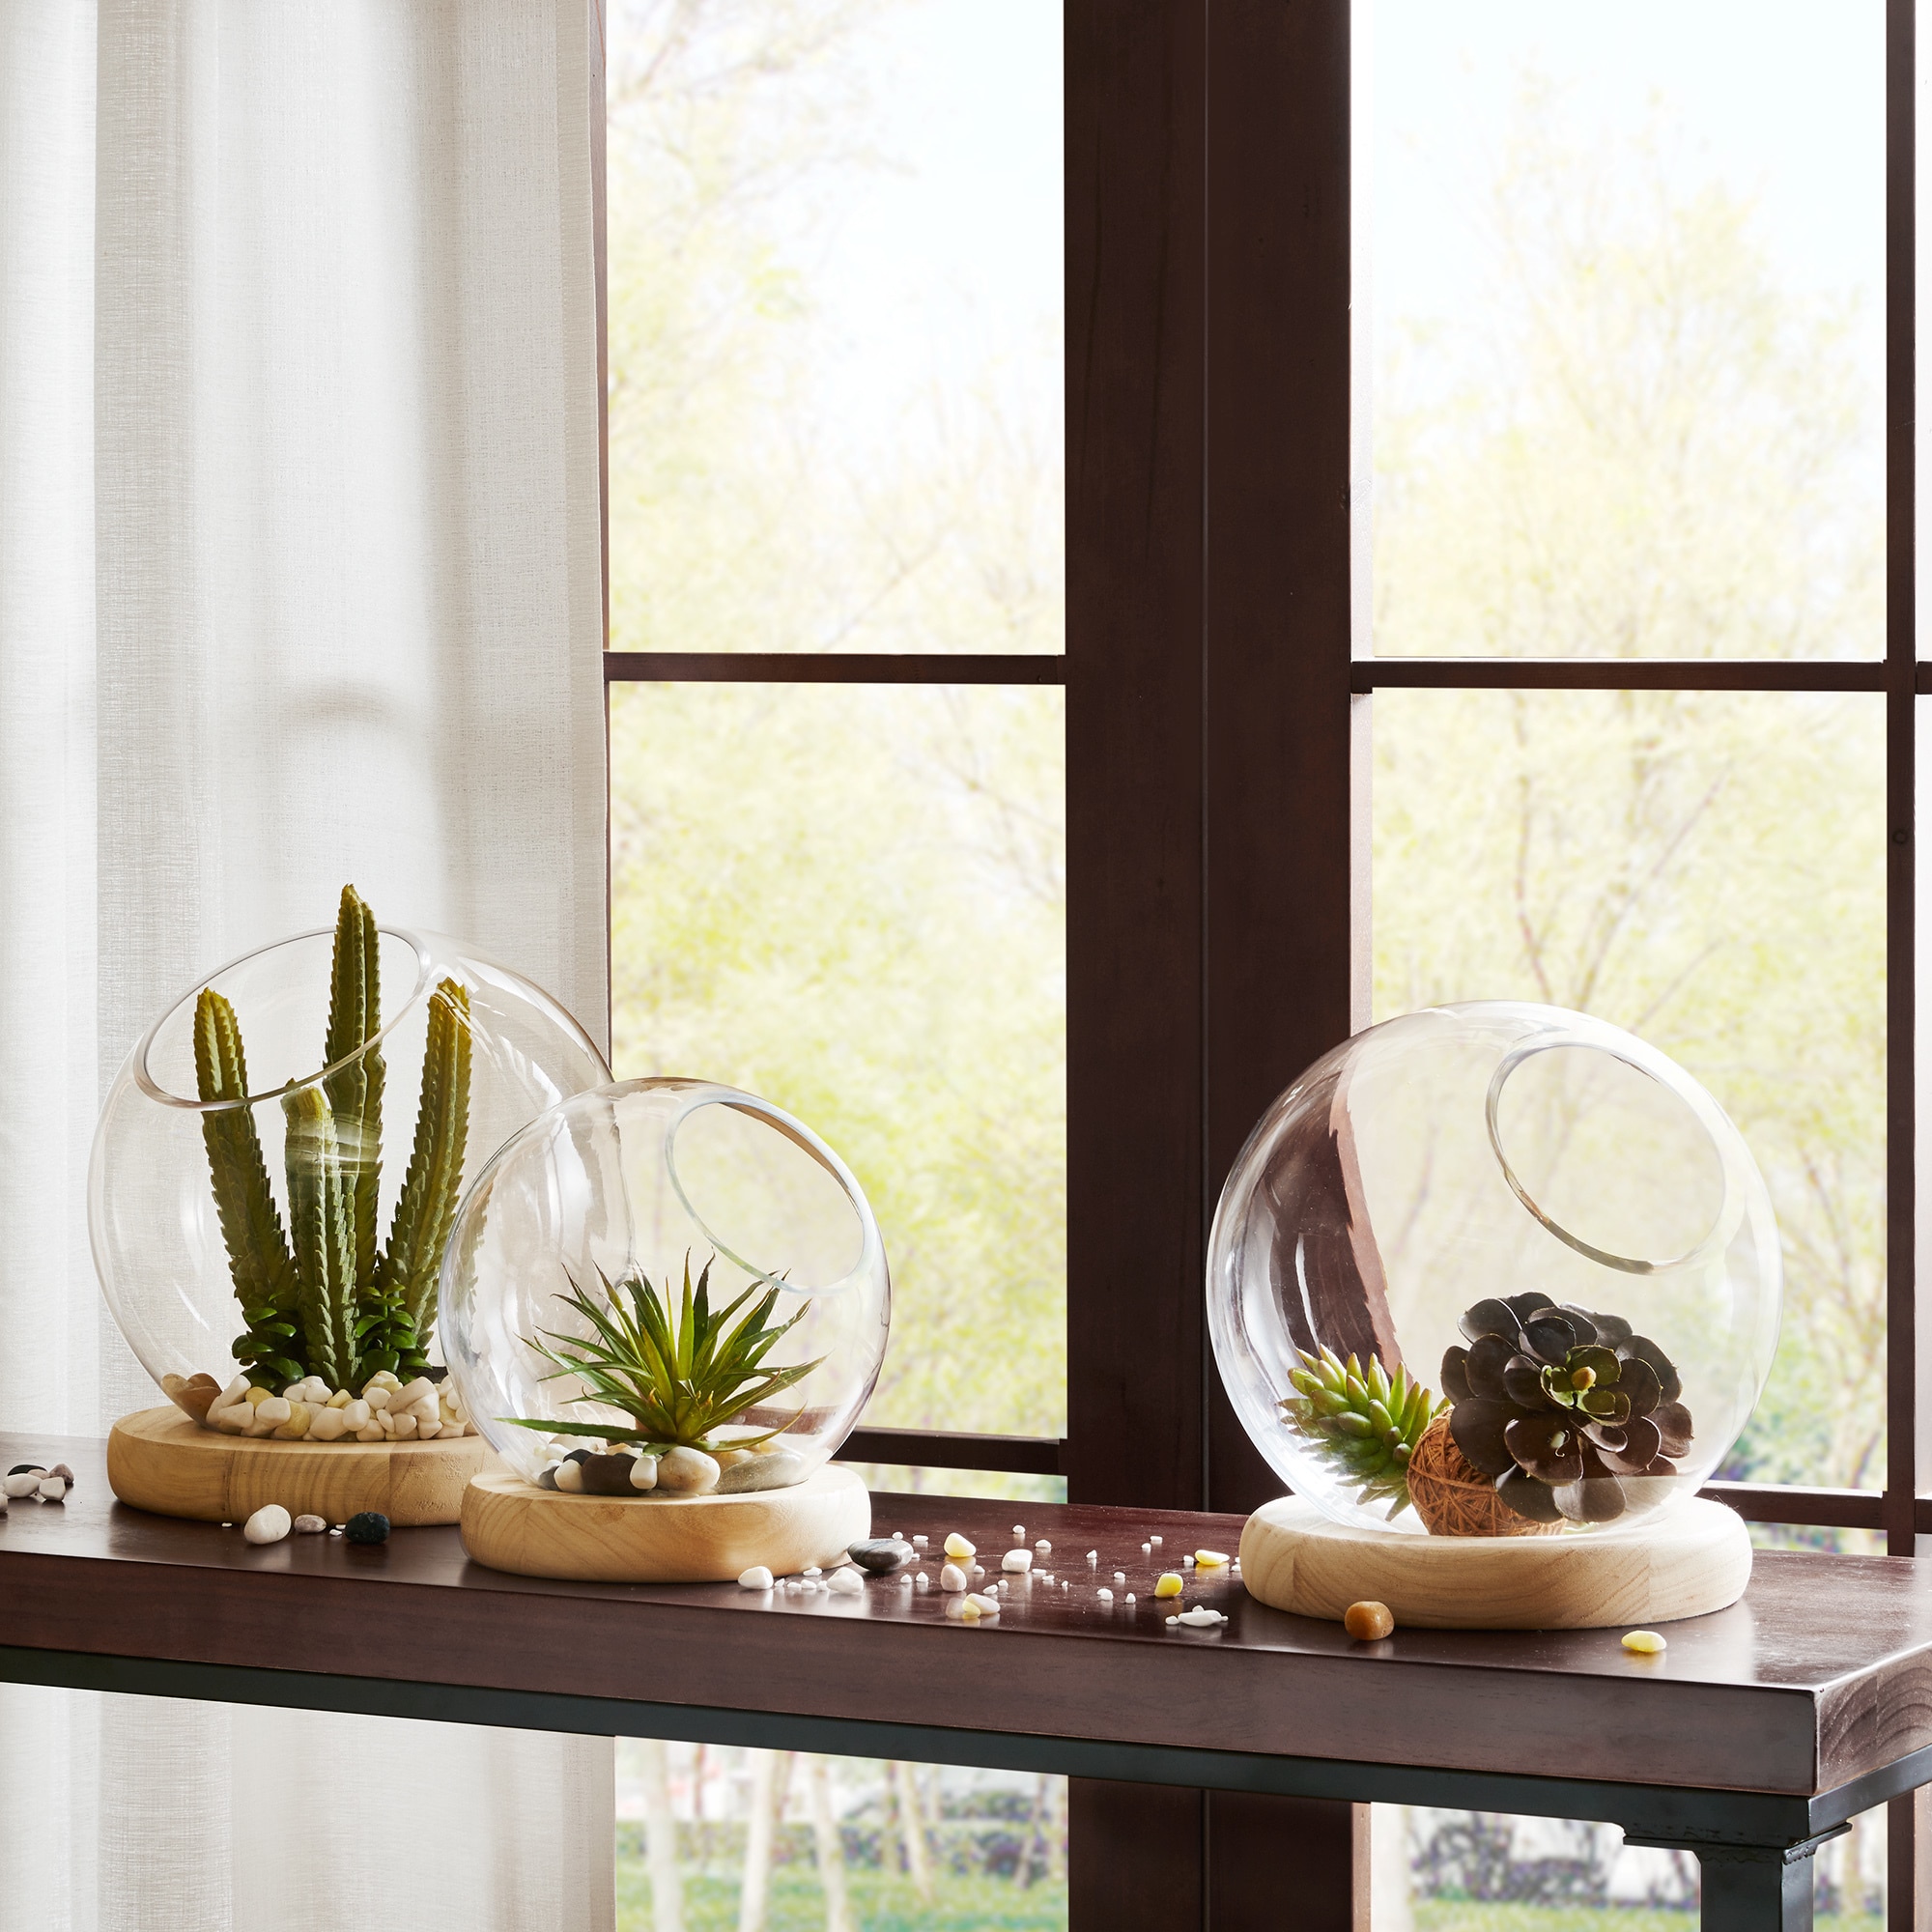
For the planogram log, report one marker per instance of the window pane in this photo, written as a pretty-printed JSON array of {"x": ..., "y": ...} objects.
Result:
[
  {"x": 850, "y": 900},
  {"x": 1628, "y": 275},
  {"x": 1487, "y": 1871},
  {"x": 914, "y": 1845},
  {"x": 1707, "y": 869},
  {"x": 835, "y": 326}
]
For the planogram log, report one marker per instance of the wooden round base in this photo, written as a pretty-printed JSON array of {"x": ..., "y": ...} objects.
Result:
[
  {"x": 511, "y": 1524},
  {"x": 1693, "y": 1559},
  {"x": 162, "y": 1461}
]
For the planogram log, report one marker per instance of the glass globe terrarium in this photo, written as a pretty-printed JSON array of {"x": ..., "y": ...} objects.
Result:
[
  {"x": 1495, "y": 1269},
  {"x": 666, "y": 1288},
  {"x": 279, "y": 1161}
]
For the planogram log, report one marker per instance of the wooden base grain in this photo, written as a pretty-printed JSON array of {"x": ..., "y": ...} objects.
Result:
[
  {"x": 160, "y": 1460},
  {"x": 1692, "y": 1560},
  {"x": 510, "y": 1524}
]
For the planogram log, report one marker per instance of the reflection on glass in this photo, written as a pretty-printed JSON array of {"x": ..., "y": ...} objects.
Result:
[
  {"x": 835, "y": 326},
  {"x": 779, "y": 1839},
  {"x": 1708, "y": 871},
  {"x": 1482, "y": 1871},
  {"x": 850, "y": 900},
  {"x": 1626, "y": 270}
]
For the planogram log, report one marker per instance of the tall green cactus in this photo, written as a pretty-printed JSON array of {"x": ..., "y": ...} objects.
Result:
[
  {"x": 332, "y": 1304},
  {"x": 251, "y": 1224},
  {"x": 355, "y": 1089},
  {"x": 322, "y": 1210},
  {"x": 428, "y": 1203}
]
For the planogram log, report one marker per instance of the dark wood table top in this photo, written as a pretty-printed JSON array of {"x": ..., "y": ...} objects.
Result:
[{"x": 1822, "y": 1675}]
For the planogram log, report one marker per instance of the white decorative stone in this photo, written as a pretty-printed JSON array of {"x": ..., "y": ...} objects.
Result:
[
  {"x": 1043, "y": 1548},
  {"x": 780, "y": 1471},
  {"x": 25, "y": 1483},
  {"x": 327, "y": 1425},
  {"x": 268, "y": 1524},
  {"x": 952, "y": 1578},
  {"x": 1017, "y": 1559},
  {"x": 687, "y": 1472},
  {"x": 357, "y": 1414},
  {"x": 275, "y": 1410},
  {"x": 846, "y": 1583},
  {"x": 570, "y": 1477},
  {"x": 1106, "y": 1596},
  {"x": 404, "y": 1426},
  {"x": 644, "y": 1476},
  {"x": 376, "y": 1396},
  {"x": 52, "y": 1489},
  {"x": 757, "y": 1577}
]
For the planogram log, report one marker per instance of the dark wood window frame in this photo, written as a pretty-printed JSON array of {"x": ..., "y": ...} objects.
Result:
[{"x": 1213, "y": 843}]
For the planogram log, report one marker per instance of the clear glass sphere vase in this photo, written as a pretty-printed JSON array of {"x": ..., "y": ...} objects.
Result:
[
  {"x": 638, "y": 1197},
  {"x": 198, "y": 1208},
  {"x": 1495, "y": 1269}
]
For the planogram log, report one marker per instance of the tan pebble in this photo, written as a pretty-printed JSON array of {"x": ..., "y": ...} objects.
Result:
[
  {"x": 1366, "y": 1622},
  {"x": 1646, "y": 1643},
  {"x": 309, "y": 1525}
]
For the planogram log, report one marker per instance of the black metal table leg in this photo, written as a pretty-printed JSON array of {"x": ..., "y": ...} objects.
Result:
[{"x": 1757, "y": 1888}]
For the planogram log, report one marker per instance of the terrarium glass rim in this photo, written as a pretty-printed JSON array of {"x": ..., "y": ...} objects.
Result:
[
  {"x": 714, "y": 1093},
  {"x": 425, "y": 967},
  {"x": 1701, "y": 1106}
]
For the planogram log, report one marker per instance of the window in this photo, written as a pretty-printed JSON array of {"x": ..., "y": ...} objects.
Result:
[{"x": 1353, "y": 537}]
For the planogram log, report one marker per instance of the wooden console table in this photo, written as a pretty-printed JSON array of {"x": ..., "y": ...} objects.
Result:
[{"x": 1759, "y": 1734}]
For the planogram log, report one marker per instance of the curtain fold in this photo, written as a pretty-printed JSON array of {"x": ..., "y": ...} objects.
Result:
[{"x": 299, "y": 583}]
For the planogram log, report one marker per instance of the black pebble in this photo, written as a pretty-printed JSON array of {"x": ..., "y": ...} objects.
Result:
[
  {"x": 370, "y": 1526},
  {"x": 608, "y": 1475},
  {"x": 580, "y": 1455},
  {"x": 881, "y": 1556},
  {"x": 22, "y": 1469}
]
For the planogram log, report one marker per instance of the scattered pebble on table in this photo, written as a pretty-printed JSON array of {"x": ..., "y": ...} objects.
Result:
[
  {"x": 953, "y": 1578},
  {"x": 1169, "y": 1585},
  {"x": 1043, "y": 1548},
  {"x": 1017, "y": 1559},
  {"x": 310, "y": 1525},
  {"x": 268, "y": 1524},
  {"x": 1368, "y": 1622},
  {"x": 1210, "y": 1559},
  {"x": 1646, "y": 1643},
  {"x": 367, "y": 1527},
  {"x": 757, "y": 1577},
  {"x": 1201, "y": 1617},
  {"x": 1019, "y": 1532},
  {"x": 958, "y": 1548},
  {"x": 846, "y": 1583},
  {"x": 1105, "y": 1595}
]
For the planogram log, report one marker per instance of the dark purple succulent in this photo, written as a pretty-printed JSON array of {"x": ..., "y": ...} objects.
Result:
[{"x": 1558, "y": 1404}]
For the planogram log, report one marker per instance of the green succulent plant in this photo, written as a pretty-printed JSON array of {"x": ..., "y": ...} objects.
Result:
[
  {"x": 1365, "y": 1424},
  {"x": 319, "y": 1295},
  {"x": 680, "y": 1372}
]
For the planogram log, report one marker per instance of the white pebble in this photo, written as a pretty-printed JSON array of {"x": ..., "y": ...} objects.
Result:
[
  {"x": 1106, "y": 1595},
  {"x": 1156, "y": 1541},
  {"x": 570, "y": 1477},
  {"x": 328, "y": 1424},
  {"x": 989, "y": 1606},
  {"x": 52, "y": 1490},
  {"x": 1130, "y": 1596},
  {"x": 268, "y": 1524},
  {"x": 923, "y": 1580},
  {"x": 1016, "y": 1559},
  {"x": 811, "y": 1569},
  {"x": 1120, "y": 1576},
  {"x": 25, "y": 1483},
  {"x": 1043, "y": 1548},
  {"x": 1092, "y": 1556},
  {"x": 846, "y": 1583},
  {"x": 1200, "y": 1617},
  {"x": 687, "y": 1472},
  {"x": 952, "y": 1578},
  {"x": 1146, "y": 1549},
  {"x": 1187, "y": 1563},
  {"x": 276, "y": 1409},
  {"x": 1019, "y": 1532},
  {"x": 918, "y": 1543},
  {"x": 757, "y": 1577},
  {"x": 644, "y": 1476}
]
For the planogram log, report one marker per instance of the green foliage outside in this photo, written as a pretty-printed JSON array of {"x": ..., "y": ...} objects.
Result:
[
  {"x": 1442, "y": 1915},
  {"x": 881, "y": 1902},
  {"x": 1645, "y": 446}
]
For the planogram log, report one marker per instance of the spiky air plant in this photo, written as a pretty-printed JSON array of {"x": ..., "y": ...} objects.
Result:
[
  {"x": 1365, "y": 1424},
  {"x": 320, "y": 1297},
  {"x": 680, "y": 1372}
]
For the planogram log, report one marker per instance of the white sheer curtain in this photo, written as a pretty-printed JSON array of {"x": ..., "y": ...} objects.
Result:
[{"x": 298, "y": 584}]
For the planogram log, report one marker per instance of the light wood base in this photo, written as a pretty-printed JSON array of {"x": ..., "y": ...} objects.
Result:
[
  {"x": 1688, "y": 1561},
  {"x": 511, "y": 1524},
  {"x": 160, "y": 1460}
]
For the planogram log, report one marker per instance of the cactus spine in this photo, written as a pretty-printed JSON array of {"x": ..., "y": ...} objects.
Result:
[{"x": 330, "y": 1303}]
